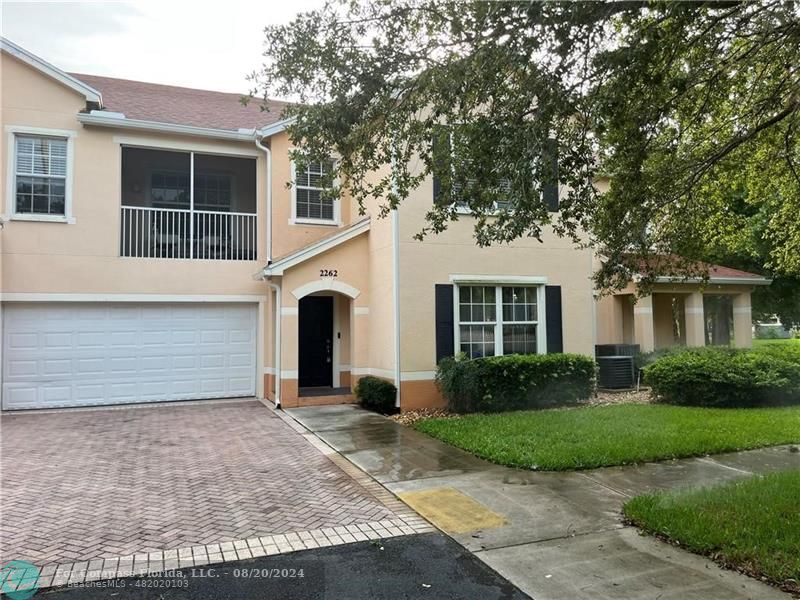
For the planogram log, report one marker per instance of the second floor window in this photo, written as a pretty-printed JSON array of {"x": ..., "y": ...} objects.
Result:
[
  {"x": 40, "y": 175},
  {"x": 311, "y": 201}
]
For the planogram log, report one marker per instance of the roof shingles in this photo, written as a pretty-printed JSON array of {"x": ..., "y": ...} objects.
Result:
[{"x": 182, "y": 106}]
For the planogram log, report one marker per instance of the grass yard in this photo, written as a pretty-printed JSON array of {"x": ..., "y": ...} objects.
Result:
[
  {"x": 588, "y": 437},
  {"x": 786, "y": 342},
  {"x": 752, "y": 525}
]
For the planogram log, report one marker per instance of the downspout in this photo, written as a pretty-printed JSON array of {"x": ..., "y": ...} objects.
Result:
[
  {"x": 277, "y": 288},
  {"x": 396, "y": 286},
  {"x": 268, "y": 155}
]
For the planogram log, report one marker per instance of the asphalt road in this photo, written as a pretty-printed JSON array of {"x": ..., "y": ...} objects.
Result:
[{"x": 420, "y": 566}]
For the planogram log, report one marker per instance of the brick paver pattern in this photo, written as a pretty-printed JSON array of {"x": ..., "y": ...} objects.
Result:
[{"x": 82, "y": 485}]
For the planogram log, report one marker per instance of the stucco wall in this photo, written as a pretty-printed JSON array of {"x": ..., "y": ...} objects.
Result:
[
  {"x": 84, "y": 257},
  {"x": 424, "y": 264},
  {"x": 289, "y": 236}
]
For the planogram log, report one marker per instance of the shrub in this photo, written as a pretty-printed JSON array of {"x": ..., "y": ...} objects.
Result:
[
  {"x": 376, "y": 394},
  {"x": 789, "y": 352},
  {"x": 723, "y": 377},
  {"x": 515, "y": 382},
  {"x": 643, "y": 359},
  {"x": 770, "y": 332}
]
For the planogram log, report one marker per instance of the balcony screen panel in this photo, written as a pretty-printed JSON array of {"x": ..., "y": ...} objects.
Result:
[
  {"x": 224, "y": 183},
  {"x": 155, "y": 178}
]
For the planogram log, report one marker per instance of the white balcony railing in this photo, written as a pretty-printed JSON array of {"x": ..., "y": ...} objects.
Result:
[{"x": 176, "y": 233}]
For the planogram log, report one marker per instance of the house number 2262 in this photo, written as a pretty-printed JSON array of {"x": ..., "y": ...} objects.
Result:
[{"x": 328, "y": 273}]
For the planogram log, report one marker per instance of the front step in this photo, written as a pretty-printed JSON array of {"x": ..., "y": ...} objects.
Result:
[
  {"x": 323, "y": 396},
  {"x": 326, "y": 400}
]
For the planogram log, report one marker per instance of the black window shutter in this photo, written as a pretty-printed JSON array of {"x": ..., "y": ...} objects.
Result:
[
  {"x": 437, "y": 189},
  {"x": 552, "y": 305},
  {"x": 445, "y": 345},
  {"x": 440, "y": 150},
  {"x": 550, "y": 174}
]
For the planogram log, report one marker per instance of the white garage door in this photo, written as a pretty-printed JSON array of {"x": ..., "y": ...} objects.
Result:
[{"x": 74, "y": 354}]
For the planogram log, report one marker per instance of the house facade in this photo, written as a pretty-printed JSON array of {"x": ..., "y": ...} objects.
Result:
[{"x": 151, "y": 250}]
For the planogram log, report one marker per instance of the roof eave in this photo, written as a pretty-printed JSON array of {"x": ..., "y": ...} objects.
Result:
[
  {"x": 88, "y": 92},
  {"x": 716, "y": 280},
  {"x": 279, "y": 267},
  {"x": 274, "y": 128},
  {"x": 121, "y": 122}
]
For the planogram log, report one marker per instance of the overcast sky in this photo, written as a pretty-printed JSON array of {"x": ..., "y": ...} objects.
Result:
[{"x": 209, "y": 44}]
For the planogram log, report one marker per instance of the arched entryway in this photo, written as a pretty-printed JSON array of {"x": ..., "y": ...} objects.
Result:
[{"x": 324, "y": 340}]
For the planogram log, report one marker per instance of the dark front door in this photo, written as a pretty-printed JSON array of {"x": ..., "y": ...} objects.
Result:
[{"x": 316, "y": 341}]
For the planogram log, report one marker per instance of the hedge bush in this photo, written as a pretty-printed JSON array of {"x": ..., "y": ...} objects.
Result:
[
  {"x": 789, "y": 352},
  {"x": 515, "y": 382},
  {"x": 376, "y": 394},
  {"x": 724, "y": 377}
]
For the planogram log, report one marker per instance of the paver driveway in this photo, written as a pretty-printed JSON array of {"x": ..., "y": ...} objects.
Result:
[{"x": 84, "y": 484}]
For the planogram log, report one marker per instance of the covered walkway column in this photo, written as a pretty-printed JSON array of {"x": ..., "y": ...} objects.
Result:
[
  {"x": 695, "y": 320},
  {"x": 643, "y": 326},
  {"x": 742, "y": 321}
]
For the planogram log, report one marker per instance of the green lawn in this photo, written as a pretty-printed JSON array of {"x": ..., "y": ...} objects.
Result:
[
  {"x": 786, "y": 342},
  {"x": 588, "y": 437},
  {"x": 751, "y": 524}
]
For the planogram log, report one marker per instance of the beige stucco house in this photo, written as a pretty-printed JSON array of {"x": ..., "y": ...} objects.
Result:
[{"x": 151, "y": 250}]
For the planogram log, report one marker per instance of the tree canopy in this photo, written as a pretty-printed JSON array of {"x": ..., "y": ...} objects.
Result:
[{"x": 690, "y": 110}]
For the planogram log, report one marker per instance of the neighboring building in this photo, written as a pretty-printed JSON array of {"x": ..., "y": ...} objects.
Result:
[
  {"x": 152, "y": 251},
  {"x": 682, "y": 313}
]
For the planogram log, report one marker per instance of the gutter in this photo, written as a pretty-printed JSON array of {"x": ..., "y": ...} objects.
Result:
[
  {"x": 107, "y": 118},
  {"x": 120, "y": 121}
]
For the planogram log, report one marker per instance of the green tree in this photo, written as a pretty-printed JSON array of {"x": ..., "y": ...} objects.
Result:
[{"x": 688, "y": 108}]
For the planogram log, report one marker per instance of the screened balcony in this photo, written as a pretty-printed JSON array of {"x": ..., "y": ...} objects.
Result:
[{"x": 187, "y": 205}]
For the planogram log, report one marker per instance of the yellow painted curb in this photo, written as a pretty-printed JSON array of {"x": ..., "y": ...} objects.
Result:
[{"x": 452, "y": 510}]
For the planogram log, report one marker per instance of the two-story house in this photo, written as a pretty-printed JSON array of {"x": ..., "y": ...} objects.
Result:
[{"x": 152, "y": 251}]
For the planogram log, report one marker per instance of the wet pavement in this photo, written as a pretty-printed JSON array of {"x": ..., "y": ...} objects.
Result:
[
  {"x": 385, "y": 450},
  {"x": 563, "y": 535},
  {"x": 415, "y": 566}
]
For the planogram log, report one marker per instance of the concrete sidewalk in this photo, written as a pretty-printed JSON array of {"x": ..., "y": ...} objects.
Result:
[{"x": 560, "y": 534}]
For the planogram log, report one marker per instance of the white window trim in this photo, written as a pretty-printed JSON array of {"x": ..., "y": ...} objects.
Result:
[
  {"x": 499, "y": 284},
  {"x": 295, "y": 220},
  {"x": 12, "y": 131}
]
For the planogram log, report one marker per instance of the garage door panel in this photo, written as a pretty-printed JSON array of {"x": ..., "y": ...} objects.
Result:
[
  {"x": 90, "y": 393},
  {"x": 56, "y": 394},
  {"x": 22, "y": 341},
  {"x": 22, "y": 368},
  {"x": 91, "y": 354},
  {"x": 56, "y": 368}
]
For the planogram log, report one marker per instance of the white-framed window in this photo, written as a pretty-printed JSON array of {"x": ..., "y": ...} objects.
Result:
[
  {"x": 499, "y": 319},
  {"x": 170, "y": 189},
  {"x": 213, "y": 191},
  {"x": 310, "y": 204},
  {"x": 40, "y": 174}
]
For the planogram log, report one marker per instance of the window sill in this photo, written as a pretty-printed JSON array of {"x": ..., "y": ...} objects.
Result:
[
  {"x": 323, "y": 222},
  {"x": 42, "y": 218},
  {"x": 465, "y": 210}
]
